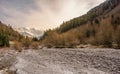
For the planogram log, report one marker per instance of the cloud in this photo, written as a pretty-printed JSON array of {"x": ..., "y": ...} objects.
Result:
[
  {"x": 19, "y": 5},
  {"x": 43, "y": 14}
]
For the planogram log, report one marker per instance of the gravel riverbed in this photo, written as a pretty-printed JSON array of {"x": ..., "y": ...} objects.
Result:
[{"x": 62, "y": 61}]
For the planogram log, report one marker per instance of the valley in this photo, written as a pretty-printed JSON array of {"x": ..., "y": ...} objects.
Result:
[{"x": 32, "y": 40}]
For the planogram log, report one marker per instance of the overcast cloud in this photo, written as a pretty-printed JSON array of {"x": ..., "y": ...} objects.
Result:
[{"x": 43, "y": 14}]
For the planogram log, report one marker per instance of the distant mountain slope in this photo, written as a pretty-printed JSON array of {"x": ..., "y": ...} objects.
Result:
[
  {"x": 30, "y": 32},
  {"x": 107, "y": 8}
]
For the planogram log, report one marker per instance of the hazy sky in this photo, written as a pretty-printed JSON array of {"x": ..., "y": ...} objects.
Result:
[{"x": 43, "y": 14}]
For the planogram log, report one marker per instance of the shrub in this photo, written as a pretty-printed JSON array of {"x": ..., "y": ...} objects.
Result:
[
  {"x": 4, "y": 40},
  {"x": 34, "y": 45},
  {"x": 17, "y": 46},
  {"x": 26, "y": 42},
  {"x": 117, "y": 37},
  {"x": 35, "y": 39}
]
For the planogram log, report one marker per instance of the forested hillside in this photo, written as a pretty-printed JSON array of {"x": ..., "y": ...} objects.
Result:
[
  {"x": 100, "y": 26},
  {"x": 94, "y": 15},
  {"x": 8, "y": 34}
]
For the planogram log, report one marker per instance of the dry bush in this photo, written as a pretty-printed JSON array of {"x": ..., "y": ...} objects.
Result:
[
  {"x": 116, "y": 37},
  {"x": 26, "y": 42},
  {"x": 70, "y": 39},
  {"x": 51, "y": 40},
  {"x": 17, "y": 46},
  {"x": 34, "y": 45},
  {"x": 104, "y": 34}
]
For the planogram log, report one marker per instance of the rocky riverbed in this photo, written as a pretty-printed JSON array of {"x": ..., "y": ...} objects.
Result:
[{"x": 61, "y": 61}]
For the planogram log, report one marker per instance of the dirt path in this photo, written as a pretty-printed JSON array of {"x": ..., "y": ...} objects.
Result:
[{"x": 68, "y": 61}]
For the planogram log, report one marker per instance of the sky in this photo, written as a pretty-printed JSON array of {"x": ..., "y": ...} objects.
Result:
[{"x": 43, "y": 14}]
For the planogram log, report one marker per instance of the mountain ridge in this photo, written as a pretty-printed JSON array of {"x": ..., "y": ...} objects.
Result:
[
  {"x": 30, "y": 32},
  {"x": 103, "y": 10}
]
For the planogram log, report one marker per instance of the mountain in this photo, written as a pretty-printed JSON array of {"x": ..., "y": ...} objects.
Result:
[
  {"x": 107, "y": 8},
  {"x": 100, "y": 26},
  {"x": 30, "y": 32}
]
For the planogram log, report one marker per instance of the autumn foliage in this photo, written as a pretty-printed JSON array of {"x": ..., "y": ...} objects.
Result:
[{"x": 105, "y": 33}]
